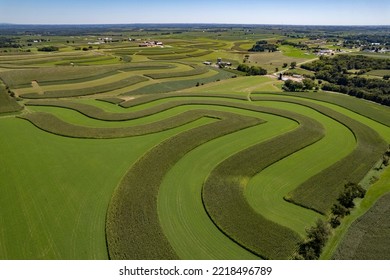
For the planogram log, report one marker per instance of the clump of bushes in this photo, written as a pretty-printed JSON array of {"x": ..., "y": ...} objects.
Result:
[
  {"x": 307, "y": 84},
  {"x": 48, "y": 49}
]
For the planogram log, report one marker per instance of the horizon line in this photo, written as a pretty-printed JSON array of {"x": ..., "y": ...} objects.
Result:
[{"x": 197, "y": 23}]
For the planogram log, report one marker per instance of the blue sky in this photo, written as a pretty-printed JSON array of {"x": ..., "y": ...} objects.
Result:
[{"x": 326, "y": 12}]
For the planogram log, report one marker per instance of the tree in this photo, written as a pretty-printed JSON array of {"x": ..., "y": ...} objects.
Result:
[
  {"x": 346, "y": 199},
  {"x": 293, "y": 86},
  {"x": 335, "y": 221},
  {"x": 308, "y": 83},
  {"x": 319, "y": 233},
  {"x": 316, "y": 239},
  {"x": 339, "y": 210},
  {"x": 293, "y": 65},
  {"x": 351, "y": 191},
  {"x": 285, "y": 65},
  {"x": 385, "y": 161}
]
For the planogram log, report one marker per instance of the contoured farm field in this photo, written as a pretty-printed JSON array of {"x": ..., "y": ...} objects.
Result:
[{"x": 129, "y": 152}]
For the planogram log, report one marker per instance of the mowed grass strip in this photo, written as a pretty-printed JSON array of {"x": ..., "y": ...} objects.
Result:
[
  {"x": 240, "y": 84},
  {"x": 45, "y": 119},
  {"x": 182, "y": 216},
  {"x": 227, "y": 206},
  {"x": 95, "y": 112},
  {"x": 368, "y": 109},
  {"x": 168, "y": 57},
  {"x": 87, "y": 91},
  {"x": 133, "y": 229},
  {"x": 69, "y": 75},
  {"x": 194, "y": 72},
  {"x": 199, "y": 53},
  {"x": 185, "y": 82},
  {"x": 111, "y": 100},
  {"x": 321, "y": 191},
  {"x": 379, "y": 73},
  {"x": 159, "y": 97},
  {"x": 58, "y": 189},
  {"x": 266, "y": 190},
  {"x": 52, "y": 124}
]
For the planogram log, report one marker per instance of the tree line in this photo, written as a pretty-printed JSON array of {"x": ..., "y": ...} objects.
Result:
[
  {"x": 336, "y": 71},
  {"x": 251, "y": 70},
  {"x": 317, "y": 236},
  {"x": 48, "y": 49},
  {"x": 9, "y": 43}
]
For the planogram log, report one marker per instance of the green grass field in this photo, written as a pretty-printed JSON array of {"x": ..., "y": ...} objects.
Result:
[
  {"x": 7, "y": 103},
  {"x": 379, "y": 73},
  {"x": 158, "y": 157}
]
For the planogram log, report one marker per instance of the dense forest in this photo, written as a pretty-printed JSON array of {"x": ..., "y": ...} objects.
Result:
[{"x": 343, "y": 74}]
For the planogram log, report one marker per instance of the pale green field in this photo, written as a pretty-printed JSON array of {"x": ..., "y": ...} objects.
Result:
[{"x": 240, "y": 85}]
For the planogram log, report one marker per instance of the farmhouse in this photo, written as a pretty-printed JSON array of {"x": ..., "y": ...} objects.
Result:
[
  {"x": 325, "y": 52},
  {"x": 152, "y": 44},
  {"x": 222, "y": 63}
]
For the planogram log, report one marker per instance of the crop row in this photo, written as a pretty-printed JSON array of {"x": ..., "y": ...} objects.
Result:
[
  {"x": 194, "y": 72},
  {"x": 99, "y": 114},
  {"x": 169, "y": 86},
  {"x": 59, "y": 128},
  {"x": 89, "y": 90},
  {"x": 182, "y": 55},
  {"x": 224, "y": 198},
  {"x": 320, "y": 191},
  {"x": 372, "y": 111},
  {"x": 55, "y": 75},
  {"x": 133, "y": 228},
  {"x": 222, "y": 195},
  {"x": 369, "y": 149},
  {"x": 52, "y": 124}
]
